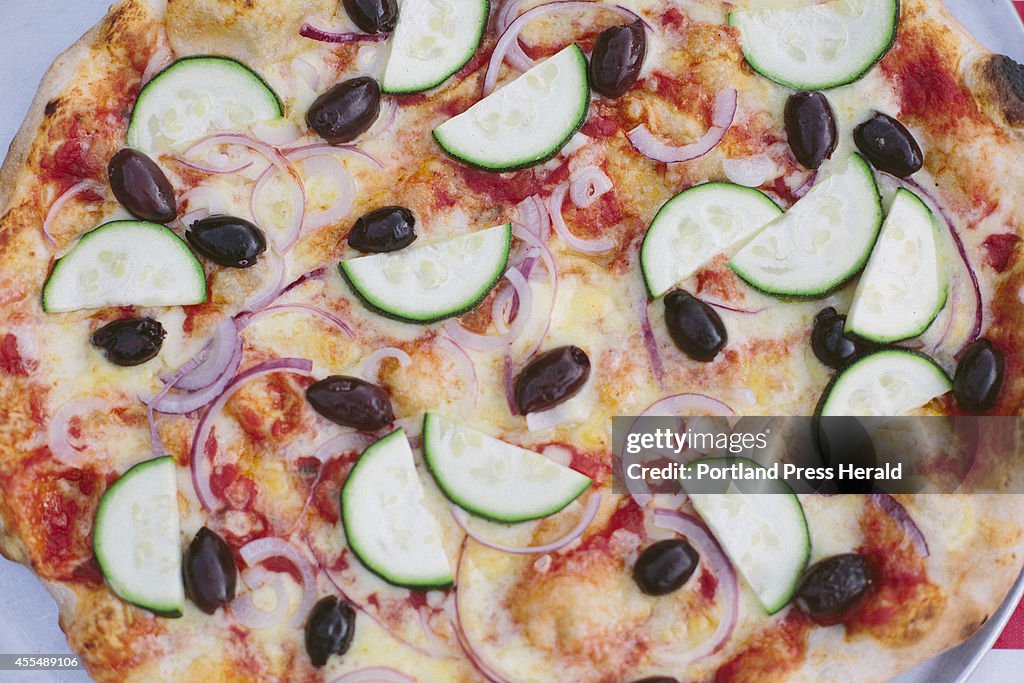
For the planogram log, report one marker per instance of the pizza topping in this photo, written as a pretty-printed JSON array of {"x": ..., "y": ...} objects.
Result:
[
  {"x": 209, "y": 571},
  {"x": 656, "y": 679},
  {"x": 833, "y": 587},
  {"x": 351, "y": 402},
  {"x": 810, "y": 127},
  {"x": 551, "y": 378},
  {"x": 196, "y": 96},
  {"x": 346, "y": 111},
  {"x": 695, "y": 328},
  {"x": 599, "y": 245},
  {"x": 227, "y": 241},
  {"x": 141, "y": 186},
  {"x": 373, "y": 16},
  {"x": 828, "y": 341},
  {"x": 125, "y": 263},
  {"x": 616, "y": 59},
  {"x": 93, "y": 191},
  {"x": 494, "y": 479},
  {"x": 665, "y": 567},
  {"x": 330, "y": 628},
  {"x": 136, "y": 537},
  {"x": 820, "y": 45},
  {"x": 431, "y": 282},
  {"x": 979, "y": 376},
  {"x": 382, "y": 230},
  {"x": 889, "y": 146},
  {"x": 889, "y": 382},
  {"x": 130, "y": 341},
  {"x": 387, "y": 524},
  {"x": 722, "y": 117}
]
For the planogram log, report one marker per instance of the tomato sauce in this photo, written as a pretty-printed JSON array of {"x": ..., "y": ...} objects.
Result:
[
  {"x": 771, "y": 654},
  {"x": 11, "y": 360},
  {"x": 1000, "y": 250}
]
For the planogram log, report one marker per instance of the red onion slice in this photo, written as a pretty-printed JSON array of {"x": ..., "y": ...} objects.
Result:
[
  {"x": 315, "y": 29},
  {"x": 589, "y": 513},
  {"x": 806, "y": 187},
  {"x": 588, "y": 185},
  {"x": 339, "y": 445},
  {"x": 722, "y": 117},
  {"x": 600, "y": 245},
  {"x": 718, "y": 564},
  {"x": 509, "y": 383},
  {"x": 69, "y": 194},
  {"x": 324, "y": 169},
  {"x": 370, "y": 366},
  {"x": 650, "y": 341},
  {"x": 216, "y": 359},
  {"x": 505, "y": 15},
  {"x": 684, "y": 403},
  {"x": 321, "y": 149},
  {"x": 752, "y": 171},
  {"x": 199, "y": 464},
  {"x": 552, "y": 270},
  {"x": 273, "y": 285},
  {"x": 244, "y": 609},
  {"x": 187, "y": 402},
  {"x": 57, "y": 438},
  {"x": 299, "y": 308},
  {"x": 532, "y": 214},
  {"x": 736, "y": 309},
  {"x": 463, "y": 360},
  {"x": 262, "y": 549},
  {"x": 158, "y": 61},
  {"x": 277, "y": 132},
  {"x": 376, "y": 674},
  {"x": 899, "y": 514}
]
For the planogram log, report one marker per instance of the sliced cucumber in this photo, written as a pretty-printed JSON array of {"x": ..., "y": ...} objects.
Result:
[
  {"x": 387, "y": 525},
  {"x": 431, "y": 282},
  {"x": 822, "y": 241},
  {"x": 818, "y": 45},
  {"x": 494, "y": 479},
  {"x": 526, "y": 121},
  {"x": 196, "y": 96},
  {"x": 904, "y": 285},
  {"x": 125, "y": 263},
  {"x": 137, "y": 540},
  {"x": 433, "y": 40},
  {"x": 884, "y": 383},
  {"x": 697, "y": 224},
  {"x": 763, "y": 532}
]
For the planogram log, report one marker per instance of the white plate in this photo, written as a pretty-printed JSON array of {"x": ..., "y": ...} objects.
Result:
[{"x": 32, "y": 34}]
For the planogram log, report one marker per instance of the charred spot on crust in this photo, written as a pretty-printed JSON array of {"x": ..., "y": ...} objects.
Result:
[
  {"x": 51, "y": 107},
  {"x": 1013, "y": 73},
  {"x": 1003, "y": 80}
]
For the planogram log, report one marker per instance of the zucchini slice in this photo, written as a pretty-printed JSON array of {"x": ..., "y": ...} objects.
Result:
[
  {"x": 430, "y": 282},
  {"x": 904, "y": 284},
  {"x": 695, "y": 225},
  {"x": 137, "y": 540},
  {"x": 196, "y": 96},
  {"x": 760, "y": 525},
  {"x": 125, "y": 263},
  {"x": 822, "y": 241},
  {"x": 432, "y": 40},
  {"x": 494, "y": 479},
  {"x": 526, "y": 121},
  {"x": 387, "y": 525},
  {"x": 884, "y": 383},
  {"x": 819, "y": 45}
]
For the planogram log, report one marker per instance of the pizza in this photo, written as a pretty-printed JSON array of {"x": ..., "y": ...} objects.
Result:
[{"x": 314, "y": 320}]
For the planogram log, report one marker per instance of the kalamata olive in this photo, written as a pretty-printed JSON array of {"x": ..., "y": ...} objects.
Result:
[
  {"x": 832, "y": 587},
  {"x": 810, "y": 127},
  {"x": 345, "y": 111},
  {"x": 329, "y": 629},
  {"x": 388, "y": 229},
  {"x": 979, "y": 376},
  {"x": 616, "y": 59},
  {"x": 129, "y": 341},
  {"x": 889, "y": 146},
  {"x": 141, "y": 187},
  {"x": 351, "y": 402},
  {"x": 227, "y": 241},
  {"x": 827, "y": 340},
  {"x": 209, "y": 571},
  {"x": 665, "y": 566},
  {"x": 694, "y": 326},
  {"x": 373, "y": 16},
  {"x": 551, "y": 378}
]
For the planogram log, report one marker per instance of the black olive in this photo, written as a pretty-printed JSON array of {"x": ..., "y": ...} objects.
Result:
[
  {"x": 889, "y": 145},
  {"x": 351, "y": 402},
  {"x": 388, "y": 229},
  {"x": 209, "y": 571},
  {"x": 345, "y": 111},
  {"x": 832, "y": 587},
  {"x": 227, "y": 241},
  {"x": 694, "y": 326},
  {"x": 616, "y": 59},
  {"x": 141, "y": 187},
  {"x": 665, "y": 566},
  {"x": 827, "y": 340},
  {"x": 551, "y": 378},
  {"x": 979, "y": 376},
  {"x": 130, "y": 341},
  {"x": 810, "y": 127},
  {"x": 373, "y": 16},
  {"x": 329, "y": 629}
]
